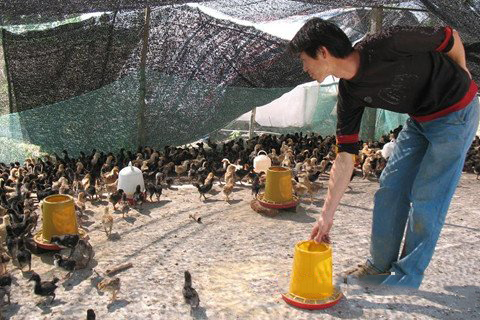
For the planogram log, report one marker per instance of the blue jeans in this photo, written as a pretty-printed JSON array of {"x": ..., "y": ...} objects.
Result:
[{"x": 416, "y": 188}]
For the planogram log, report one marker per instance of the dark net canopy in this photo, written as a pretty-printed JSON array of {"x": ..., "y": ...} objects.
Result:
[{"x": 80, "y": 84}]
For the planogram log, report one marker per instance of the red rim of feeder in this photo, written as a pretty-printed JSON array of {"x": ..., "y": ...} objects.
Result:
[
  {"x": 130, "y": 199},
  {"x": 312, "y": 304},
  {"x": 274, "y": 205},
  {"x": 42, "y": 243}
]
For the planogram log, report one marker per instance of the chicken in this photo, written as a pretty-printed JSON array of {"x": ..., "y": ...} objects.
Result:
[
  {"x": 111, "y": 187},
  {"x": 82, "y": 254},
  {"x": 5, "y": 285},
  {"x": 80, "y": 202},
  {"x": 4, "y": 259},
  {"x": 189, "y": 293},
  {"x": 204, "y": 188},
  {"x": 299, "y": 189},
  {"x": 138, "y": 196},
  {"x": 107, "y": 221},
  {"x": 91, "y": 314},
  {"x": 111, "y": 177},
  {"x": 150, "y": 187},
  {"x": 256, "y": 186},
  {"x": 367, "y": 167},
  {"x": 24, "y": 256},
  {"x": 228, "y": 188},
  {"x": 66, "y": 240},
  {"x": 110, "y": 285},
  {"x": 230, "y": 173},
  {"x": 44, "y": 288},
  {"x": 181, "y": 169},
  {"x": 115, "y": 198},
  {"x": 86, "y": 181},
  {"x": 312, "y": 187},
  {"x": 91, "y": 192},
  {"x": 64, "y": 263}
]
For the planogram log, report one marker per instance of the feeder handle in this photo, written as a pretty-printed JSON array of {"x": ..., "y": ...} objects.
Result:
[{"x": 258, "y": 153}]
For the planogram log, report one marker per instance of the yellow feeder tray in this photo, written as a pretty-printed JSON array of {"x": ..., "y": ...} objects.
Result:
[
  {"x": 278, "y": 189},
  {"x": 311, "y": 284}
]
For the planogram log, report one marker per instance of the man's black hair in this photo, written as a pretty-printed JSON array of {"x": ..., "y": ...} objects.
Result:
[{"x": 317, "y": 33}]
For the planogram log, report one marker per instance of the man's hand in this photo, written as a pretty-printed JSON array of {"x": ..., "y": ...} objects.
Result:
[
  {"x": 321, "y": 229},
  {"x": 339, "y": 179}
]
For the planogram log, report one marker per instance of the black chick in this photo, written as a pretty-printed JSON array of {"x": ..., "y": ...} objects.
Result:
[
  {"x": 5, "y": 284},
  {"x": 312, "y": 177},
  {"x": 91, "y": 314},
  {"x": 138, "y": 195},
  {"x": 44, "y": 288},
  {"x": 158, "y": 191},
  {"x": 150, "y": 190},
  {"x": 189, "y": 293},
  {"x": 204, "y": 188},
  {"x": 256, "y": 186},
  {"x": 66, "y": 240},
  {"x": 24, "y": 256},
  {"x": 65, "y": 263},
  {"x": 11, "y": 245},
  {"x": 169, "y": 182},
  {"x": 116, "y": 197}
]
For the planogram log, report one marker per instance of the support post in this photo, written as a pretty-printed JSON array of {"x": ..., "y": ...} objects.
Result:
[
  {"x": 142, "y": 89},
  {"x": 376, "y": 17},
  {"x": 251, "y": 126}
]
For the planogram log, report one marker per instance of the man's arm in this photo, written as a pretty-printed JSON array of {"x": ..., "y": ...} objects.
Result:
[
  {"x": 339, "y": 179},
  {"x": 457, "y": 53}
]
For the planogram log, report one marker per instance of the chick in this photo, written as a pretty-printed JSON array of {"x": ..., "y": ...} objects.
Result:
[
  {"x": 138, "y": 196},
  {"x": 110, "y": 285},
  {"x": 66, "y": 240},
  {"x": 107, "y": 221},
  {"x": 44, "y": 288},
  {"x": 256, "y": 186},
  {"x": 204, "y": 188},
  {"x": 189, "y": 293},
  {"x": 4, "y": 259},
  {"x": 91, "y": 192},
  {"x": 115, "y": 198},
  {"x": 228, "y": 188},
  {"x": 80, "y": 202},
  {"x": 150, "y": 190},
  {"x": 65, "y": 263},
  {"x": 91, "y": 314},
  {"x": 5, "y": 285},
  {"x": 312, "y": 187},
  {"x": 24, "y": 256},
  {"x": 299, "y": 189}
]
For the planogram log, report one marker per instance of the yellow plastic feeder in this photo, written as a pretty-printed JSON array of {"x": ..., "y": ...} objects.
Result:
[
  {"x": 278, "y": 189},
  {"x": 59, "y": 218},
  {"x": 311, "y": 284}
]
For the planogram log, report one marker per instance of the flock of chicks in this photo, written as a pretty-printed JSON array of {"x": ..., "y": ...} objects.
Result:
[{"x": 88, "y": 177}]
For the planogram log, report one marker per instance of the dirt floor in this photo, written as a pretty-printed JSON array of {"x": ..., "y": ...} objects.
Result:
[{"x": 240, "y": 262}]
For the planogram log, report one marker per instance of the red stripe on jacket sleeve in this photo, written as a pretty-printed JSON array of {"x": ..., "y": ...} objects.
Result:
[
  {"x": 448, "y": 35},
  {"x": 350, "y": 138}
]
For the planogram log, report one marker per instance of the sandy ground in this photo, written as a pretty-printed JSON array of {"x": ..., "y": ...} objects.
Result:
[{"x": 240, "y": 262}]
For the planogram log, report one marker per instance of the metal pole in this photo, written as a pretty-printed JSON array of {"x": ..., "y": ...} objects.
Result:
[
  {"x": 252, "y": 123},
  {"x": 142, "y": 90},
  {"x": 376, "y": 17}
]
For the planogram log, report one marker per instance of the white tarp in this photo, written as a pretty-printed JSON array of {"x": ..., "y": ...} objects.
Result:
[{"x": 295, "y": 108}]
